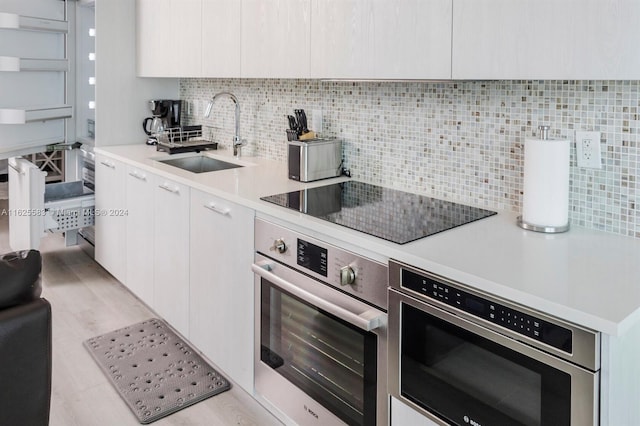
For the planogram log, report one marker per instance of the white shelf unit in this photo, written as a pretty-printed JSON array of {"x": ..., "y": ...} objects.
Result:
[
  {"x": 14, "y": 21},
  {"x": 34, "y": 71},
  {"x": 33, "y": 114},
  {"x": 15, "y": 64}
]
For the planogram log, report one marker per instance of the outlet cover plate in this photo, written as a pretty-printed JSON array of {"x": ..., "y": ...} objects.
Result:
[{"x": 588, "y": 150}]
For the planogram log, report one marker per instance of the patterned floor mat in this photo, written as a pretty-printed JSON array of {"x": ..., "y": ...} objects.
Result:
[{"x": 155, "y": 372}]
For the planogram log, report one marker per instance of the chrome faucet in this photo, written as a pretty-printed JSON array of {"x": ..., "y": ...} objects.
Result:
[{"x": 237, "y": 142}]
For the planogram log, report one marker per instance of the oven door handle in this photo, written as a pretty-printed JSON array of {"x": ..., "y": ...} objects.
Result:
[{"x": 368, "y": 320}]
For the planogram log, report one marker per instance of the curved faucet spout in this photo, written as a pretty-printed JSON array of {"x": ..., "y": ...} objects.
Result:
[{"x": 237, "y": 141}]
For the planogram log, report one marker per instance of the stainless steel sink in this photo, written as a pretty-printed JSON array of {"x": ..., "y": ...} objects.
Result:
[{"x": 199, "y": 164}]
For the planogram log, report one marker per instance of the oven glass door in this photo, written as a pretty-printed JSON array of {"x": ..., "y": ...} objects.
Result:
[
  {"x": 464, "y": 378},
  {"x": 329, "y": 359}
]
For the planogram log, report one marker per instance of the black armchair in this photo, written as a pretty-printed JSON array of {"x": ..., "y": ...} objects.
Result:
[{"x": 25, "y": 342}]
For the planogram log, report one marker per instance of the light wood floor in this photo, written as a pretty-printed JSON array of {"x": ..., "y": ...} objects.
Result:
[{"x": 86, "y": 302}]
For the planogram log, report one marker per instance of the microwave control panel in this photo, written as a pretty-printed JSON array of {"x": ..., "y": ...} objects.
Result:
[{"x": 518, "y": 322}]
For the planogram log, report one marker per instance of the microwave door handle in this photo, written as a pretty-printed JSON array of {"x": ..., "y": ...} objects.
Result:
[{"x": 368, "y": 320}]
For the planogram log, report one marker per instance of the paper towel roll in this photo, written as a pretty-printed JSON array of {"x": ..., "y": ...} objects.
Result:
[{"x": 545, "y": 200}]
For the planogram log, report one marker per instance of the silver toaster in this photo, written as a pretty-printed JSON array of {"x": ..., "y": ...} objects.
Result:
[{"x": 314, "y": 159}]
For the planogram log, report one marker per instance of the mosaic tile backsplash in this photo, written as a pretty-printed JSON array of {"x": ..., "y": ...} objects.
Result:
[{"x": 460, "y": 141}]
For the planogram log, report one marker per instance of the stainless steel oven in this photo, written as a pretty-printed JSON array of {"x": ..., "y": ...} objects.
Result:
[
  {"x": 321, "y": 330},
  {"x": 466, "y": 358}
]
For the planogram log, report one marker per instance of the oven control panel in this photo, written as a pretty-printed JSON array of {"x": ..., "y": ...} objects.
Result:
[
  {"x": 312, "y": 257},
  {"x": 513, "y": 319},
  {"x": 342, "y": 269}
]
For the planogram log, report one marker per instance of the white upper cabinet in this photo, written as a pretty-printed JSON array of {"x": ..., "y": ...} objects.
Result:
[
  {"x": 152, "y": 36},
  {"x": 546, "y": 39},
  {"x": 275, "y": 38},
  {"x": 342, "y": 39},
  {"x": 389, "y": 39},
  {"x": 413, "y": 39},
  {"x": 188, "y": 38},
  {"x": 169, "y": 38},
  {"x": 221, "y": 38},
  {"x": 381, "y": 39}
]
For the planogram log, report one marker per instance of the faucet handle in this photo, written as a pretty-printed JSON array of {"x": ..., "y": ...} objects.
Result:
[{"x": 237, "y": 144}]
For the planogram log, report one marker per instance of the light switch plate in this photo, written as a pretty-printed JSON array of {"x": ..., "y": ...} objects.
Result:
[{"x": 588, "y": 150}]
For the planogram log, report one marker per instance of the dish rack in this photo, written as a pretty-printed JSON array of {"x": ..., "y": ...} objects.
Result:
[{"x": 184, "y": 139}]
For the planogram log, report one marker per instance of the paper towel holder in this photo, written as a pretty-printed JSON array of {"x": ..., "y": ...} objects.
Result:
[
  {"x": 544, "y": 135},
  {"x": 539, "y": 228},
  {"x": 544, "y": 132}
]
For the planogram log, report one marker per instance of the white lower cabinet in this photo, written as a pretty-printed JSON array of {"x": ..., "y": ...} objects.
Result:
[
  {"x": 140, "y": 233},
  {"x": 110, "y": 210},
  {"x": 188, "y": 257},
  {"x": 403, "y": 415},
  {"x": 171, "y": 253},
  {"x": 221, "y": 290},
  {"x": 157, "y": 244}
]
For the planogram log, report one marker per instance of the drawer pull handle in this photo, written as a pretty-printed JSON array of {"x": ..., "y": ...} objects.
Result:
[
  {"x": 223, "y": 211},
  {"x": 166, "y": 187},
  {"x": 108, "y": 164},
  {"x": 138, "y": 176}
]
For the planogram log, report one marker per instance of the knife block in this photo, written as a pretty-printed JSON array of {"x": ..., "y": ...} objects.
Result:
[{"x": 292, "y": 135}]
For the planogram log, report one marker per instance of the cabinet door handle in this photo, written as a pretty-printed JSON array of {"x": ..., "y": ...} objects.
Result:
[
  {"x": 166, "y": 187},
  {"x": 138, "y": 176},
  {"x": 20, "y": 172},
  {"x": 108, "y": 164},
  {"x": 223, "y": 211}
]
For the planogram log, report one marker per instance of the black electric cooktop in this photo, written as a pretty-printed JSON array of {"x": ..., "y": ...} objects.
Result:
[{"x": 390, "y": 214}]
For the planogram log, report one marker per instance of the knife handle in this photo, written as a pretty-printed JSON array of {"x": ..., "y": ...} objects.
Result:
[
  {"x": 303, "y": 117},
  {"x": 298, "y": 113},
  {"x": 292, "y": 122}
]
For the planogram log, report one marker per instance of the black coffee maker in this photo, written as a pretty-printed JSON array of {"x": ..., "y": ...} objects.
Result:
[{"x": 167, "y": 111}]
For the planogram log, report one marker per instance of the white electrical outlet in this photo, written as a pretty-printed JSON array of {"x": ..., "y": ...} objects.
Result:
[{"x": 588, "y": 149}]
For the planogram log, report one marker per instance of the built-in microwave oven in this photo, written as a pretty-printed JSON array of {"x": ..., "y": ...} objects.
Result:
[{"x": 461, "y": 357}]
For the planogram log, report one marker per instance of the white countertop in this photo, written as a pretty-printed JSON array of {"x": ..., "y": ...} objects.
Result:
[{"x": 587, "y": 277}]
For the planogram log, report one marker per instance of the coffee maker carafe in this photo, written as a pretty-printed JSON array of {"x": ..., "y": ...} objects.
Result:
[{"x": 166, "y": 115}]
